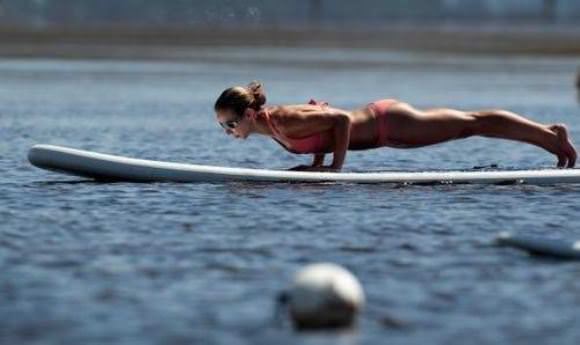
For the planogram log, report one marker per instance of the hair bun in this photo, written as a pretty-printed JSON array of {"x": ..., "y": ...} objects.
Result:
[{"x": 256, "y": 89}]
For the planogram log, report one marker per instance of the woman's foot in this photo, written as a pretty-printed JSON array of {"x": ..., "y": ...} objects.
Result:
[{"x": 566, "y": 152}]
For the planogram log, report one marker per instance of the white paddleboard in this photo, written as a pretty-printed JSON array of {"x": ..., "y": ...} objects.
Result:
[
  {"x": 556, "y": 248},
  {"x": 117, "y": 168}
]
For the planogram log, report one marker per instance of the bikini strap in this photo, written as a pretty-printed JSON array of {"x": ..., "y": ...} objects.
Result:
[
  {"x": 320, "y": 103},
  {"x": 276, "y": 133}
]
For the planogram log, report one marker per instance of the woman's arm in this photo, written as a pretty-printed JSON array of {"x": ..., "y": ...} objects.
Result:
[
  {"x": 341, "y": 132},
  {"x": 338, "y": 122},
  {"x": 341, "y": 139},
  {"x": 318, "y": 160}
]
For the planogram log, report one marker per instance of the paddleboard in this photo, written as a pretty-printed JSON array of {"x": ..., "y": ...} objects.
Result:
[
  {"x": 108, "y": 167},
  {"x": 536, "y": 245}
]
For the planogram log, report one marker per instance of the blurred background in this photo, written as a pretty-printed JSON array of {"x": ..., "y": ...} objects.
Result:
[
  {"x": 543, "y": 26},
  {"x": 337, "y": 13}
]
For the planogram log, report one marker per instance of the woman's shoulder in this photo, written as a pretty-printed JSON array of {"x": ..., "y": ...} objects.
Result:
[
  {"x": 292, "y": 115},
  {"x": 299, "y": 106},
  {"x": 290, "y": 110}
]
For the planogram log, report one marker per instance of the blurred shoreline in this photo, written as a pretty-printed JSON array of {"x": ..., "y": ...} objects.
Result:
[{"x": 175, "y": 43}]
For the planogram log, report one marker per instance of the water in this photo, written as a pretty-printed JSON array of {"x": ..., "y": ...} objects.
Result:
[{"x": 92, "y": 263}]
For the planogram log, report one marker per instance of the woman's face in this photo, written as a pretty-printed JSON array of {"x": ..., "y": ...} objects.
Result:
[{"x": 239, "y": 127}]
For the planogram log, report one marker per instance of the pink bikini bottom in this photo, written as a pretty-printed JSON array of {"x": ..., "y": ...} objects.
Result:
[{"x": 380, "y": 109}]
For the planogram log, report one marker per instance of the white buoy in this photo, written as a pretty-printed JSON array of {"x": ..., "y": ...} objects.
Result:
[{"x": 324, "y": 295}]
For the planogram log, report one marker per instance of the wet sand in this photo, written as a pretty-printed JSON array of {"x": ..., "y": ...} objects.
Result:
[{"x": 124, "y": 42}]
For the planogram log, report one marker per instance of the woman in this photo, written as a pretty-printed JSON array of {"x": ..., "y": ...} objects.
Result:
[{"x": 318, "y": 129}]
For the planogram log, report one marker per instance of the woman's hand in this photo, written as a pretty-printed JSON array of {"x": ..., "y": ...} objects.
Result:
[
  {"x": 301, "y": 167},
  {"x": 314, "y": 168}
]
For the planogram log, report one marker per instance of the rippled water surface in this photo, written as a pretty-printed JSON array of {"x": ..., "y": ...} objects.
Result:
[{"x": 163, "y": 263}]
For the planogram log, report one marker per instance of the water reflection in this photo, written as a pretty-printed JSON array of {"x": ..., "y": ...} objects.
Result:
[{"x": 212, "y": 256}]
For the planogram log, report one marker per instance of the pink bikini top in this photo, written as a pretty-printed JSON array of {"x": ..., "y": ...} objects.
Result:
[{"x": 315, "y": 143}]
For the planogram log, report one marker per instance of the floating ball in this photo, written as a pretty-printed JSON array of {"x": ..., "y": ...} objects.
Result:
[{"x": 324, "y": 295}]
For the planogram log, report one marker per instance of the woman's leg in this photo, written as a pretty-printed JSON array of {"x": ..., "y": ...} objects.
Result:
[{"x": 413, "y": 128}]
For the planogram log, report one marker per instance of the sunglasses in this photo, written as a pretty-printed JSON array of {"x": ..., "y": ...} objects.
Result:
[{"x": 230, "y": 124}]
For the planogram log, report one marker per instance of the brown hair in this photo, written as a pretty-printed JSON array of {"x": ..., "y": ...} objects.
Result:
[{"x": 239, "y": 98}]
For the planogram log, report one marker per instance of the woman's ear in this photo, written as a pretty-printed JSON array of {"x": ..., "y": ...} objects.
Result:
[{"x": 250, "y": 114}]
